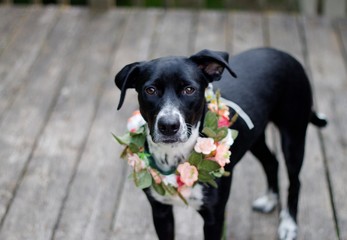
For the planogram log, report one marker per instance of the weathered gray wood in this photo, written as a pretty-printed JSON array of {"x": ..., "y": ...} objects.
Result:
[
  {"x": 10, "y": 21},
  {"x": 24, "y": 122},
  {"x": 57, "y": 155},
  {"x": 100, "y": 4},
  {"x": 22, "y": 51},
  {"x": 101, "y": 171},
  {"x": 329, "y": 75},
  {"x": 173, "y": 29},
  {"x": 334, "y": 8},
  {"x": 309, "y": 7},
  {"x": 285, "y": 35},
  {"x": 247, "y": 31},
  {"x": 211, "y": 31}
]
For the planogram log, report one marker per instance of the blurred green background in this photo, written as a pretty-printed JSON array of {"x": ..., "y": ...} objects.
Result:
[{"x": 285, "y": 5}]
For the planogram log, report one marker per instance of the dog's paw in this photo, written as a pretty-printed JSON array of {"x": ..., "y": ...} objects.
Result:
[
  {"x": 266, "y": 203},
  {"x": 287, "y": 230}
]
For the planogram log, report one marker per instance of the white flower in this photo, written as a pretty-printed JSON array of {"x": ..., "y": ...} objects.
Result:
[
  {"x": 170, "y": 180},
  {"x": 135, "y": 122},
  {"x": 204, "y": 145},
  {"x": 209, "y": 94},
  {"x": 228, "y": 140}
]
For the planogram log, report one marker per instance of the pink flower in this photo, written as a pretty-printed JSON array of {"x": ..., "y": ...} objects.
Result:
[
  {"x": 212, "y": 106},
  {"x": 135, "y": 122},
  {"x": 155, "y": 175},
  {"x": 223, "y": 122},
  {"x": 222, "y": 155},
  {"x": 135, "y": 161},
  {"x": 204, "y": 145},
  {"x": 223, "y": 111},
  {"x": 188, "y": 173}
]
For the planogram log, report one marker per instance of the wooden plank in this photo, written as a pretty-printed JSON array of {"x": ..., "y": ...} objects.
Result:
[
  {"x": 248, "y": 179},
  {"x": 247, "y": 31},
  {"x": 10, "y": 21},
  {"x": 285, "y": 35},
  {"x": 134, "y": 209},
  {"x": 100, "y": 4},
  {"x": 309, "y": 7},
  {"x": 169, "y": 35},
  {"x": 101, "y": 173},
  {"x": 24, "y": 122},
  {"x": 329, "y": 75},
  {"x": 58, "y": 152},
  {"x": 211, "y": 31},
  {"x": 334, "y": 8},
  {"x": 21, "y": 53}
]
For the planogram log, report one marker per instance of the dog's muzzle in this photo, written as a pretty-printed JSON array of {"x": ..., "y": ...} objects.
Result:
[{"x": 169, "y": 126}]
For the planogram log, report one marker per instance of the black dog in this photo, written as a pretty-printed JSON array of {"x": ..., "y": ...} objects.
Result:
[{"x": 270, "y": 86}]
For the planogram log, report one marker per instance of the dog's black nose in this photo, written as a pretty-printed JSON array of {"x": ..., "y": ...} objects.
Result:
[{"x": 168, "y": 126}]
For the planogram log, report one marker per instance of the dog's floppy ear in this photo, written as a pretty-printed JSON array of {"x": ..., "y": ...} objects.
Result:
[
  {"x": 212, "y": 63},
  {"x": 126, "y": 78}
]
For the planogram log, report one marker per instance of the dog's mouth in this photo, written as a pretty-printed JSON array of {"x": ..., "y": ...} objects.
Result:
[{"x": 180, "y": 137}]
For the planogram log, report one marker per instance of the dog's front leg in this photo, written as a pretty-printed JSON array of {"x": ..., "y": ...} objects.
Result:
[
  {"x": 163, "y": 221},
  {"x": 213, "y": 221},
  {"x": 163, "y": 218}
]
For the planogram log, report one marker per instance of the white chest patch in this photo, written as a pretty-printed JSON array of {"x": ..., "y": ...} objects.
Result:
[
  {"x": 193, "y": 195},
  {"x": 169, "y": 156}
]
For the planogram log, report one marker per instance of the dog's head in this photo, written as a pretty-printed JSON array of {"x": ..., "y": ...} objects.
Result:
[{"x": 171, "y": 91}]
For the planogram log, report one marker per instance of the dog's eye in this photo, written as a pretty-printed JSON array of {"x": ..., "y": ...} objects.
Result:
[
  {"x": 188, "y": 90},
  {"x": 151, "y": 91}
]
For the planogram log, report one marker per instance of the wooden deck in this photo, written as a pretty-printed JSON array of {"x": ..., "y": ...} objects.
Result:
[{"x": 60, "y": 174}]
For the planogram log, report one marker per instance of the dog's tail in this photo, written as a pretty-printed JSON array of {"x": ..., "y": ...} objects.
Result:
[{"x": 318, "y": 119}]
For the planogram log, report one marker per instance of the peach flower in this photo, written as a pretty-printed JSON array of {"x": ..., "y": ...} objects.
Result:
[
  {"x": 188, "y": 173},
  {"x": 135, "y": 161},
  {"x": 155, "y": 175},
  {"x": 222, "y": 155},
  {"x": 204, "y": 145}
]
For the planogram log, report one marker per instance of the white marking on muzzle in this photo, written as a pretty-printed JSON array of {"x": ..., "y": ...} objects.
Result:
[{"x": 170, "y": 111}]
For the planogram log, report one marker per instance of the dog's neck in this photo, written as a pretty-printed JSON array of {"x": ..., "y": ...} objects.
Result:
[{"x": 168, "y": 156}]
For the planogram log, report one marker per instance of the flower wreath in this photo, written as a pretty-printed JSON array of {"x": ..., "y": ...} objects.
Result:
[{"x": 205, "y": 163}]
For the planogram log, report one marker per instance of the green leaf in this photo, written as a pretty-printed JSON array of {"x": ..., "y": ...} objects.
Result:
[
  {"x": 209, "y": 132},
  {"x": 142, "y": 179},
  {"x": 204, "y": 176},
  {"x": 213, "y": 183},
  {"x": 234, "y": 133},
  {"x": 159, "y": 188},
  {"x": 211, "y": 121},
  {"x": 134, "y": 148},
  {"x": 182, "y": 198},
  {"x": 209, "y": 166},
  {"x": 169, "y": 189},
  {"x": 195, "y": 158},
  {"x": 124, "y": 153},
  {"x": 221, "y": 133},
  {"x": 138, "y": 140},
  {"x": 123, "y": 140}
]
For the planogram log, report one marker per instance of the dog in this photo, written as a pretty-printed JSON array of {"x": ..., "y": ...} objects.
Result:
[{"x": 261, "y": 85}]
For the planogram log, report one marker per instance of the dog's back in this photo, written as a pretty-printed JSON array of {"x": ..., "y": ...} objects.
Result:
[{"x": 270, "y": 85}]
